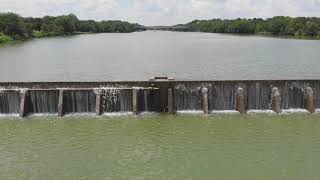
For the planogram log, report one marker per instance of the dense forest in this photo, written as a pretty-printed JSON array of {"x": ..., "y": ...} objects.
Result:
[
  {"x": 15, "y": 27},
  {"x": 297, "y": 27}
]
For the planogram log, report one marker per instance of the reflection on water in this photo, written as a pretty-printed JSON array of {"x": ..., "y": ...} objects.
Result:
[
  {"x": 137, "y": 56},
  {"x": 161, "y": 147}
]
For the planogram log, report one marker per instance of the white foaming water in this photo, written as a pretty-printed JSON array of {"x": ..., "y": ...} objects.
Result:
[
  {"x": 129, "y": 113},
  {"x": 294, "y": 111},
  {"x": 79, "y": 114},
  {"x": 225, "y": 112},
  {"x": 138, "y": 88},
  {"x": 42, "y": 114},
  {"x": 148, "y": 113},
  {"x": 189, "y": 112},
  {"x": 285, "y": 111},
  {"x": 8, "y": 115},
  {"x": 117, "y": 114},
  {"x": 254, "y": 111},
  {"x": 112, "y": 88}
]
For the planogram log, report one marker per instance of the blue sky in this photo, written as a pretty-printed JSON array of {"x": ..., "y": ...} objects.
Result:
[{"x": 162, "y": 12}]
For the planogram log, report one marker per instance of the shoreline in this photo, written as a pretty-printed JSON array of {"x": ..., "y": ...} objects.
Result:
[
  {"x": 232, "y": 34},
  {"x": 257, "y": 35},
  {"x": 66, "y": 35}
]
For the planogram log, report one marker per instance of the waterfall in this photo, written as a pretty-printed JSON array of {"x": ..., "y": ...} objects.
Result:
[
  {"x": 151, "y": 99},
  {"x": 316, "y": 92},
  {"x": 116, "y": 100},
  {"x": 146, "y": 94},
  {"x": 43, "y": 101},
  {"x": 292, "y": 95},
  {"x": 258, "y": 96},
  {"x": 143, "y": 100},
  {"x": 120, "y": 100},
  {"x": 222, "y": 95},
  {"x": 9, "y": 102},
  {"x": 79, "y": 101},
  {"x": 187, "y": 97}
]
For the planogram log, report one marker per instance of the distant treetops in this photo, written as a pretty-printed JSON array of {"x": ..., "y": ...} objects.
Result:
[
  {"x": 15, "y": 27},
  {"x": 288, "y": 26}
]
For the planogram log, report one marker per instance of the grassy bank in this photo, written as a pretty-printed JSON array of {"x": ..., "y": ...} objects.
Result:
[{"x": 5, "y": 38}]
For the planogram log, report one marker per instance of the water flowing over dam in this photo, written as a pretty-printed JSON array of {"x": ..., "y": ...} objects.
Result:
[{"x": 169, "y": 96}]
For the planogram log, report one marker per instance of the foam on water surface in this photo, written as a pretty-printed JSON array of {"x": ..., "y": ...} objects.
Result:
[
  {"x": 80, "y": 114},
  {"x": 294, "y": 111},
  {"x": 189, "y": 112},
  {"x": 43, "y": 114},
  {"x": 117, "y": 114},
  {"x": 261, "y": 112},
  {"x": 8, "y": 115}
]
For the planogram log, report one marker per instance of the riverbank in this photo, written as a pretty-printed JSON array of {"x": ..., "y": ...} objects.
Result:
[
  {"x": 298, "y": 27},
  {"x": 268, "y": 35},
  {"x": 301, "y": 37},
  {"x": 14, "y": 27},
  {"x": 161, "y": 147},
  {"x": 5, "y": 39}
]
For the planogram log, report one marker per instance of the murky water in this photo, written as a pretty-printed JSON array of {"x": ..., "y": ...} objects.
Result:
[
  {"x": 137, "y": 56},
  {"x": 161, "y": 147}
]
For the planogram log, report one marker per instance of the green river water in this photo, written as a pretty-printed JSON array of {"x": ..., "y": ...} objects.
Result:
[{"x": 161, "y": 147}]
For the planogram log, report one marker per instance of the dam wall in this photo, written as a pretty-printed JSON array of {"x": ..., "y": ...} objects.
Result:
[{"x": 62, "y": 98}]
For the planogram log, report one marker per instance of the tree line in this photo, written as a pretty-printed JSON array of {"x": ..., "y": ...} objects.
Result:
[
  {"x": 15, "y": 27},
  {"x": 280, "y": 25}
]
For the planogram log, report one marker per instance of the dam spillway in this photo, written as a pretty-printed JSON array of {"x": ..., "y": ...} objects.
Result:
[{"x": 62, "y": 98}]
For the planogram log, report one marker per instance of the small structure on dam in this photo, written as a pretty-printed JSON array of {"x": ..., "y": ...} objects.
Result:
[{"x": 157, "y": 95}]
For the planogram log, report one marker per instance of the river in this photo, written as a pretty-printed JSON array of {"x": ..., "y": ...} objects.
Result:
[
  {"x": 161, "y": 147},
  {"x": 139, "y": 55}
]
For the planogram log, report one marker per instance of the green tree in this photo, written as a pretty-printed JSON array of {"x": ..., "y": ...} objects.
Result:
[
  {"x": 13, "y": 25},
  {"x": 311, "y": 28},
  {"x": 69, "y": 23}
]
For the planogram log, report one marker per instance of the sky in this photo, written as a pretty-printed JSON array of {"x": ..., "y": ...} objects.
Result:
[{"x": 162, "y": 12}]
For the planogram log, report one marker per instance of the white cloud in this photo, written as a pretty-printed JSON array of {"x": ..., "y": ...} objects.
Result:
[
  {"x": 155, "y": 12},
  {"x": 82, "y": 8}
]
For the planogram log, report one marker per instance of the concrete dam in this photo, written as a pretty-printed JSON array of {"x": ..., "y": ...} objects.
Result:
[{"x": 157, "y": 95}]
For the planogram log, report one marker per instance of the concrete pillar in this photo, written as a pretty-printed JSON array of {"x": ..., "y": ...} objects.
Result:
[
  {"x": 98, "y": 102},
  {"x": 276, "y": 101},
  {"x": 205, "y": 102},
  {"x": 60, "y": 103},
  {"x": 23, "y": 103},
  {"x": 170, "y": 101},
  {"x": 135, "y": 109},
  {"x": 309, "y": 99},
  {"x": 240, "y": 106}
]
